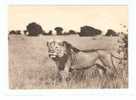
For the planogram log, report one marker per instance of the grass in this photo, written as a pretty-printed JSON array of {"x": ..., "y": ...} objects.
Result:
[{"x": 30, "y": 67}]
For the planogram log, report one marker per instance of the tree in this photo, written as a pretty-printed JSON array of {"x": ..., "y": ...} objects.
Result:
[
  {"x": 15, "y": 32},
  {"x": 89, "y": 31},
  {"x": 72, "y": 32},
  {"x": 111, "y": 32},
  {"x": 34, "y": 29},
  {"x": 50, "y": 32},
  {"x": 18, "y": 32},
  {"x": 12, "y": 32},
  {"x": 58, "y": 30}
]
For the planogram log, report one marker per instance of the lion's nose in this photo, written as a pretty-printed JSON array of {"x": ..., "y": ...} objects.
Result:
[
  {"x": 49, "y": 55},
  {"x": 51, "y": 51}
]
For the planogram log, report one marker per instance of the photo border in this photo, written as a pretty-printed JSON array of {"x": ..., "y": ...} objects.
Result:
[{"x": 43, "y": 92}]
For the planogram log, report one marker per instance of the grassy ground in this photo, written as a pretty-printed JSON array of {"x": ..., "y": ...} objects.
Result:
[{"x": 30, "y": 67}]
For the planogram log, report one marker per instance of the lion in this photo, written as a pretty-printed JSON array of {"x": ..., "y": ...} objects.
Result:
[{"x": 69, "y": 58}]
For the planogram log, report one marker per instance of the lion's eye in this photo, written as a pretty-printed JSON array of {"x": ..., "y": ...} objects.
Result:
[{"x": 56, "y": 47}]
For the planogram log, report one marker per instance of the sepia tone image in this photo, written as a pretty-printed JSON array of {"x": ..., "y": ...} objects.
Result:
[{"x": 68, "y": 47}]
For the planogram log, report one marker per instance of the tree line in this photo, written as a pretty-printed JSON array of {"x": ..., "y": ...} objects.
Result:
[{"x": 35, "y": 29}]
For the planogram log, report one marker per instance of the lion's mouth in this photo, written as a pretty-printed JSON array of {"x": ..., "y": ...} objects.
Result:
[
  {"x": 52, "y": 56},
  {"x": 56, "y": 57}
]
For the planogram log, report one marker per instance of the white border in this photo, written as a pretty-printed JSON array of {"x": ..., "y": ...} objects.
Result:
[
  {"x": 87, "y": 92},
  {"x": 67, "y": 2}
]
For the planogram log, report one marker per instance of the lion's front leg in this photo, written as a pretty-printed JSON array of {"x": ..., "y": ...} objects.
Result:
[{"x": 65, "y": 74}]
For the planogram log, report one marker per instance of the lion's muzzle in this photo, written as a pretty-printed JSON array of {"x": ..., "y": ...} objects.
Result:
[{"x": 52, "y": 55}]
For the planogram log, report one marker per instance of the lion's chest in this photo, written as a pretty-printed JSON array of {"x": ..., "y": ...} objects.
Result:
[{"x": 60, "y": 62}]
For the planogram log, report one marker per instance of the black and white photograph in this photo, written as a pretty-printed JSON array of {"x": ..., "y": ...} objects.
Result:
[{"x": 68, "y": 46}]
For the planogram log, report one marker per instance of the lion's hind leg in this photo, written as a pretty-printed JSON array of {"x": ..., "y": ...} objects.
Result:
[
  {"x": 107, "y": 65},
  {"x": 101, "y": 70}
]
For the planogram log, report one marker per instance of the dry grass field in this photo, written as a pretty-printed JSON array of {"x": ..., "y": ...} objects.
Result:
[{"x": 31, "y": 68}]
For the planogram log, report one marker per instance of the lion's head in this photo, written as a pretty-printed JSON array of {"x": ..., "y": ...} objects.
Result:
[{"x": 58, "y": 49}]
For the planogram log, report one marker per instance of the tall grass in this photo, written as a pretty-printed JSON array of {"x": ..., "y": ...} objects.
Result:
[{"x": 30, "y": 67}]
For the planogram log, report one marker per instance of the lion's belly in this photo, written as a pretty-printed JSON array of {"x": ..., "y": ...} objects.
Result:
[{"x": 85, "y": 59}]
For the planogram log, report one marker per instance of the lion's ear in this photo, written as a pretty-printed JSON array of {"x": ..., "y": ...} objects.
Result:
[
  {"x": 67, "y": 45},
  {"x": 70, "y": 47}
]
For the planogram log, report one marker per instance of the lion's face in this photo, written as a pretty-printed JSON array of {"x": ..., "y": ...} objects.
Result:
[{"x": 56, "y": 49}]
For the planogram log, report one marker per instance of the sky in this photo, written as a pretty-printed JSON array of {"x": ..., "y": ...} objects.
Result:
[{"x": 68, "y": 17}]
